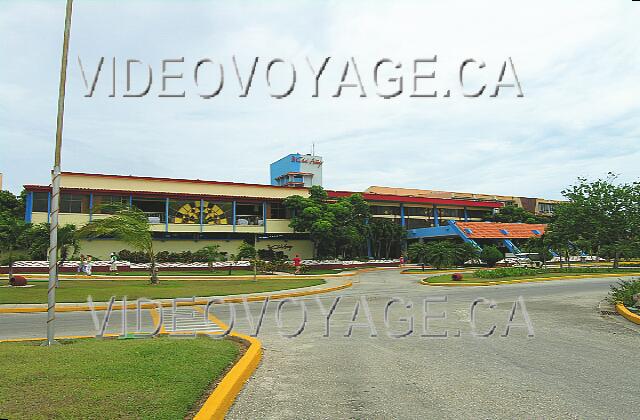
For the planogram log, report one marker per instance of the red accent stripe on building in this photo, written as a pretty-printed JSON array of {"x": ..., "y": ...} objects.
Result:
[{"x": 418, "y": 200}]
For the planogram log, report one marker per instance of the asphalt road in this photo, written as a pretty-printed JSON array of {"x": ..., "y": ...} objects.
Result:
[{"x": 577, "y": 364}]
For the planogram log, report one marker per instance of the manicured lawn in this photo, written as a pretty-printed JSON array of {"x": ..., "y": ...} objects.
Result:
[
  {"x": 470, "y": 278},
  {"x": 240, "y": 272},
  {"x": 160, "y": 378},
  {"x": 102, "y": 290}
]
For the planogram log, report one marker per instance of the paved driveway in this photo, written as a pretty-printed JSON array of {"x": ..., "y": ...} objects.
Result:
[{"x": 578, "y": 364}]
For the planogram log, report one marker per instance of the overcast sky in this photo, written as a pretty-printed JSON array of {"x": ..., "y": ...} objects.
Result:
[{"x": 578, "y": 64}]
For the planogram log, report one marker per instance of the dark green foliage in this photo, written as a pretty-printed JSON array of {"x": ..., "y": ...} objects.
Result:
[
  {"x": 441, "y": 254},
  {"x": 624, "y": 292},
  {"x": 337, "y": 229},
  {"x": 386, "y": 237},
  {"x": 600, "y": 217},
  {"x": 491, "y": 255},
  {"x": 514, "y": 214}
]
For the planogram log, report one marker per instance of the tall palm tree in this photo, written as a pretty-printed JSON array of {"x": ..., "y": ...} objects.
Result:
[{"x": 129, "y": 225}]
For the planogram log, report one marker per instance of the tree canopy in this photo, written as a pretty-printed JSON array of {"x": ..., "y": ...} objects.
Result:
[
  {"x": 600, "y": 216},
  {"x": 336, "y": 228}
]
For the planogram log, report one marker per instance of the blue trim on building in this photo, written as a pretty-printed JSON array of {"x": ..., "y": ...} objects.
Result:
[
  {"x": 466, "y": 215},
  {"x": 264, "y": 216},
  {"x": 201, "y": 215},
  {"x": 436, "y": 217},
  {"x": 130, "y": 200},
  {"x": 233, "y": 215},
  {"x": 462, "y": 235},
  {"x": 166, "y": 214},
  {"x": 49, "y": 207},
  {"x": 431, "y": 232},
  {"x": 511, "y": 246},
  {"x": 90, "y": 206},
  {"x": 403, "y": 223},
  {"x": 28, "y": 208}
]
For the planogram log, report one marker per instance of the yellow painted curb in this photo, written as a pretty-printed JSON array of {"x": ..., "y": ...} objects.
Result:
[
  {"x": 84, "y": 307},
  {"x": 221, "y": 399},
  {"x": 531, "y": 280},
  {"x": 622, "y": 310}
]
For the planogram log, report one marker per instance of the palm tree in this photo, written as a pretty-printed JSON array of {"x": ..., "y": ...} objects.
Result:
[
  {"x": 419, "y": 252},
  {"x": 129, "y": 225},
  {"x": 210, "y": 253},
  {"x": 12, "y": 230}
]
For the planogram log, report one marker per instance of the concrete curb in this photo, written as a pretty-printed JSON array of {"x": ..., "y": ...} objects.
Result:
[
  {"x": 98, "y": 277},
  {"x": 622, "y": 310},
  {"x": 224, "y": 395},
  {"x": 531, "y": 280},
  {"x": 198, "y": 301}
]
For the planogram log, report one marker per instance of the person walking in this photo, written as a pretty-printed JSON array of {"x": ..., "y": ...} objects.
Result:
[
  {"x": 296, "y": 263},
  {"x": 87, "y": 266},
  {"x": 113, "y": 263},
  {"x": 81, "y": 264}
]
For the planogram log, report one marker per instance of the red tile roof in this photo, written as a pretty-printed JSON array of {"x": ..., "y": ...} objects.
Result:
[{"x": 491, "y": 230}]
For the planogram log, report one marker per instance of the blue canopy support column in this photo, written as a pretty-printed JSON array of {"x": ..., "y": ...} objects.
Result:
[
  {"x": 511, "y": 246},
  {"x": 403, "y": 223},
  {"x": 264, "y": 215},
  {"x": 466, "y": 215},
  {"x": 463, "y": 235},
  {"x": 201, "y": 215},
  {"x": 233, "y": 215},
  {"x": 166, "y": 215},
  {"x": 49, "y": 207},
  {"x": 436, "y": 218},
  {"x": 28, "y": 208},
  {"x": 90, "y": 206}
]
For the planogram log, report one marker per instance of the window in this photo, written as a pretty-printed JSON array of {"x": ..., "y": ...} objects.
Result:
[
  {"x": 451, "y": 213},
  {"x": 248, "y": 214},
  {"x": 278, "y": 211},
  {"x": 545, "y": 207},
  {"x": 478, "y": 214},
  {"x": 41, "y": 202},
  {"x": 153, "y": 208},
  {"x": 105, "y": 204},
  {"x": 419, "y": 211},
  {"x": 385, "y": 210},
  {"x": 74, "y": 203}
]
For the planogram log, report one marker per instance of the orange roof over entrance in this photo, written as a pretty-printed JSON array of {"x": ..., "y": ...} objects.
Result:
[{"x": 491, "y": 230}]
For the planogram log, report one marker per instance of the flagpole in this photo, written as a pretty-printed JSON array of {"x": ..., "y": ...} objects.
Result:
[{"x": 55, "y": 185}]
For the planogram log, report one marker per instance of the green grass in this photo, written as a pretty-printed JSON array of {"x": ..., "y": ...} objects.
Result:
[
  {"x": 240, "y": 272},
  {"x": 160, "y": 378},
  {"x": 531, "y": 273},
  {"x": 102, "y": 290}
]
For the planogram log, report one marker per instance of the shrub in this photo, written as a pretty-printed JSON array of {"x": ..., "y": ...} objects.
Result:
[
  {"x": 137, "y": 257},
  {"x": 498, "y": 273},
  {"x": 18, "y": 281},
  {"x": 624, "y": 291},
  {"x": 491, "y": 255}
]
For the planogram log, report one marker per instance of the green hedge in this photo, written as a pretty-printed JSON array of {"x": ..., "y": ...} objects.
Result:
[
  {"x": 499, "y": 273},
  {"x": 624, "y": 291}
]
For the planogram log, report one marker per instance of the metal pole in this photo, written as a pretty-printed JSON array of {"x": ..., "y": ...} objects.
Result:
[{"x": 55, "y": 185}]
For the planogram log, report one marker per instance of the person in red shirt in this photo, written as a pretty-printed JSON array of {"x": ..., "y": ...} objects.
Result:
[{"x": 296, "y": 263}]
